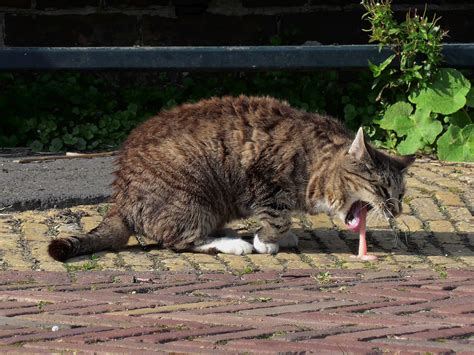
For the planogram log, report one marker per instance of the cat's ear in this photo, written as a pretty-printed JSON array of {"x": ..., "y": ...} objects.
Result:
[
  {"x": 404, "y": 162},
  {"x": 359, "y": 148}
]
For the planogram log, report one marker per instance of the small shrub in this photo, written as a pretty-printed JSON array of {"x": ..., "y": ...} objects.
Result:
[{"x": 423, "y": 108}]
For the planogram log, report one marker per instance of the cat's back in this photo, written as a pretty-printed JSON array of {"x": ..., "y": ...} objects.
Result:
[{"x": 211, "y": 117}]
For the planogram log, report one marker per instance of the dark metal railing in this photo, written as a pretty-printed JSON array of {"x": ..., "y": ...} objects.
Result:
[{"x": 459, "y": 55}]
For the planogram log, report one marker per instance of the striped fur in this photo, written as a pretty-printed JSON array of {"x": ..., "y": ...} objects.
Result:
[{"x": 182, "y": 175}]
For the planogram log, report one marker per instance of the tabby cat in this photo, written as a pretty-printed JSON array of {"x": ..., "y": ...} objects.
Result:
[{"x": 185, "y": 173}]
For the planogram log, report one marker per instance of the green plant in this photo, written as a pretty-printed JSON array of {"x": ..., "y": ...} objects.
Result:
[
  {"x": 440, "y": 107},
  {"x": 88, "y": 265},
  {"x": 42, "y": 304},
  {"x": 427, "y": 108},
  {"x": 416, "y": 44},
  {"x": 324, "y": 277},
  {"x": 249, "y": 269}
]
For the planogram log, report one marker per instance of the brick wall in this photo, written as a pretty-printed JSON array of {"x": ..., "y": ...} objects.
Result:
[{"x": 203, "y": 22}]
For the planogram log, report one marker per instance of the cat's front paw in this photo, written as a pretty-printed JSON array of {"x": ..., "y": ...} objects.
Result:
[
  {"x": 265, "y": 248},
  {"x": 289, "y": 240}
]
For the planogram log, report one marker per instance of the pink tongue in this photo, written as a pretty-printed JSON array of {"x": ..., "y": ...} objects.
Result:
[{"x": 362, "y": 240}]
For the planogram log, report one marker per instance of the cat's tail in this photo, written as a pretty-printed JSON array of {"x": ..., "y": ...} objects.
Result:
[{"x": 111, "y": 233}]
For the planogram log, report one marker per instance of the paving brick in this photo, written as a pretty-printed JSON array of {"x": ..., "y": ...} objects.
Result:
[
  {"x": 320, "y": 221},
  {"x": 296, "y": 308},
  {"x": 59, "y": 347},
  {"x": 408, "y": 223},
  {"x": 260, "y": 332},
  {"x": 236, "y": 263},
  {"x": 34, "y": 231},
  {"x": 374, "y": 221},
  {"x": 449, "y": 183},
  {"x": 441, "y": 226},
  {"x": 444, "y": 261},
  {"x": 137, "y": 261},
  {"x": 205, "y": 262},
  {"x": 16, "y": 261},
  {"x": 318, "y": 259},
  {"x": 292, "y": 261},
  {"x": 5, "y": 227},
  {"x": 459, "y": 214},
  {"x": 171, "y": 308},
  {"x": 308, "y": 245},
  {"x": 448, "y": 198},
  {"x": 465, "y": 227},
  {"x": 456, "y": 249},
  {"x": 265, "y": 262},
  {"x": 422, "y": 188},
  {"x": 469, "y": 260},
  {"x": 189, "y": 346},
  {"x": 333, "y": 242},
  {"x": 444, "y": 232},
  {"x": 423, "y": 173},
  {"x": 427, "y": 209},
  {"x": 48, "y": 335}
]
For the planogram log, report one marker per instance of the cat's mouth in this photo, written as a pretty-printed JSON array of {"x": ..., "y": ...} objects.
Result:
[{"x": 357, "y": 214}]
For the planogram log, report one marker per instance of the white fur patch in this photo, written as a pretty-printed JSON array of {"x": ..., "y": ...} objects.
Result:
[
  {"x": 289, "y": 240},
  {"x": 265, "y": 248},
  {"x": 227, "y": 245}
]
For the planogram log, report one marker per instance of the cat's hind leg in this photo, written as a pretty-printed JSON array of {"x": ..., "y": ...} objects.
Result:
[{"x": 192, "y": 227}]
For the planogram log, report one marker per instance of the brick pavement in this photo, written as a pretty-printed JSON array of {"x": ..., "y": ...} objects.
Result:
[
  {"x": 416, "y": 297},
  {"x": 301, "y": 310}
]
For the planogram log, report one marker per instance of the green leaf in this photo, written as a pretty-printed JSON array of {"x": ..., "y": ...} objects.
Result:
[
  {"x": 69, "y": 139},
  {"x": 470, "y": 97},
  {"x": 446, "y": 94},
  {"x": 460, "y": 119},
  {"x": 397, "y": 118},
  {"x": 378, "y": 69},
  {"x": 426, "y": 126},
  {"x": 386, "y": 62},
  {"x": 81, "y": 144},
  {"x": 132, "y": 108},
  {"x": 410, "y": 145},
  {"x": 457, "y": 144},
  {"x": 374, "y": 69},
  {"x": 56, "y": 145},
  {"x": 36, "y": 146},
  {"x": 419, "y": 128},
  {"x": 350, "y": 112},
  {"x": 423, "y": 131}
]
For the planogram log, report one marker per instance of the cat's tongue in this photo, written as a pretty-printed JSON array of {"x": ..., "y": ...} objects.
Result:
[{"x": 359, "y": 212}]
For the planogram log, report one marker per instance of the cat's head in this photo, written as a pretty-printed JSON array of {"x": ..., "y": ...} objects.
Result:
[{"x": 368, "y": 177}]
